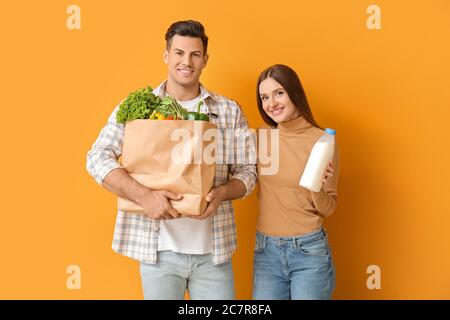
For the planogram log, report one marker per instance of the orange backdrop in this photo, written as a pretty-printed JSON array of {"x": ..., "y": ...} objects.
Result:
[{"x": 386, "y": 92}]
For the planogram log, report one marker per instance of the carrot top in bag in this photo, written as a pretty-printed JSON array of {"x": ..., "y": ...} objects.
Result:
[{"x": 170, "y": 109}]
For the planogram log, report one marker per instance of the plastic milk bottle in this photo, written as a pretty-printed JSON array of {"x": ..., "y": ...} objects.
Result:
[{"x": 321, "y": 154}]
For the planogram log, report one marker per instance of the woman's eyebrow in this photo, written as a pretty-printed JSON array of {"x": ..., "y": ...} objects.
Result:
[{"x": 261, "y": 94}]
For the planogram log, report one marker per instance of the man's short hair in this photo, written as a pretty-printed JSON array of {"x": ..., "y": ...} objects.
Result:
[{"x": 188, "y": 28}]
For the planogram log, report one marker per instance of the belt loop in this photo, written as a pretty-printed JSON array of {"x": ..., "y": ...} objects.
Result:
[
  {"x": 296, "y": 243},
  {"x": 263, "y": 242}
]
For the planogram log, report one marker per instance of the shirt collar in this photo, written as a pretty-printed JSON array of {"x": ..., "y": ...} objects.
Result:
[{"x": 161, "y": 91}]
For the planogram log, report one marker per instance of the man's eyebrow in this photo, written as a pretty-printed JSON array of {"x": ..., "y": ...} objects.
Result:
[{"x": 196, "y": 51}]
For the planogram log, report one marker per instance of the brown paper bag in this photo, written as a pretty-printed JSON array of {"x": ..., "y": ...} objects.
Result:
[{"x": 152, "y": 154}]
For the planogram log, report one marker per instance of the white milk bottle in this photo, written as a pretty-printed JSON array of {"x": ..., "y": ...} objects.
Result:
[{"x": 321, "y": 154}]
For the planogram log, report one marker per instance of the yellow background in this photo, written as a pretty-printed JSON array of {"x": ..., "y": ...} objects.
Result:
[{"x": 386, "y": 92}]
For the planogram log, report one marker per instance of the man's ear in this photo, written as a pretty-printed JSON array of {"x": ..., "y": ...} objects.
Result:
[
  {"x": 206, "y": 60},
  {"x": 166, "y": 56}
]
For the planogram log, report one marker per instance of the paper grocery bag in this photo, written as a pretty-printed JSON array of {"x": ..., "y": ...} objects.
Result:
[{"x": 173, "y": 155}]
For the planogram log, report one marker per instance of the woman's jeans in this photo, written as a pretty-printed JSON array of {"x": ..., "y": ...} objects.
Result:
[{"x": 293, "y": 267}]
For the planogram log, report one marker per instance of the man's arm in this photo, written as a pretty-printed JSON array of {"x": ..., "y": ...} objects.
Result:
[
  {"x": 243, "y": 168},
  {"x": 232, "y": 190},
  {"x": 120, "y": 183},
  {"x": 243, "y": 171},
  {"x": 102, "y": 165},
  {"x": 155, "y": 203}
]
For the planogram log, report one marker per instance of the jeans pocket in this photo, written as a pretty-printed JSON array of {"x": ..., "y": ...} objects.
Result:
[{"x": 315, "y": 247}]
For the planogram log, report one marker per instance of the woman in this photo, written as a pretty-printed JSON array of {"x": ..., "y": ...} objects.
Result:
[{"x": 292, "y": 257}]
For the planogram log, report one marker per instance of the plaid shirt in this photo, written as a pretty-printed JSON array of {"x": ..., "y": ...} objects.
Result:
[{"x": 136, "y": 235}]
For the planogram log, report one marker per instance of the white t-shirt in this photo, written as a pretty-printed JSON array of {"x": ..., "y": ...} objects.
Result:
[{"x": 186, "y": 235}]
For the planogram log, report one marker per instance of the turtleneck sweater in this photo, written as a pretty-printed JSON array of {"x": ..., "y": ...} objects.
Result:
[{"x": 286, "y": 208}]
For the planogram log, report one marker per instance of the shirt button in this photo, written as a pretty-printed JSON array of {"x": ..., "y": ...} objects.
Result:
[{"x": 155, "y": 228}]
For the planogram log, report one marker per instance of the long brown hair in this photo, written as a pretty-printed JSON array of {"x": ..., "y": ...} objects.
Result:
[{"x": 290, "y": 81}]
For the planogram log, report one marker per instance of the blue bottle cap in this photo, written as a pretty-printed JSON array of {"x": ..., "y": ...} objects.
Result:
[{"x": 330, "y": 131}]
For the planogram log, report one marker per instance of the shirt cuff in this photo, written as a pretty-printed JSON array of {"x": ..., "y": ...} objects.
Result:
[
  {"x": 245, "y": 180},
  {"x": 318, "y": 196},
  {"x": 107, "y": 167}
]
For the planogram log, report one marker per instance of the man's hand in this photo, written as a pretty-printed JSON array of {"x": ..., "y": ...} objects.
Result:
[
  {"x": 155, "y": 203},
  {"x": 157, "y": 206},
  {"x": 214, "y": 199}
]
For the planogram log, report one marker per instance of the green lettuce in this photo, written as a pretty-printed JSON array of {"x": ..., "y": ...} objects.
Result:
[{"x": 138, "y": 105}]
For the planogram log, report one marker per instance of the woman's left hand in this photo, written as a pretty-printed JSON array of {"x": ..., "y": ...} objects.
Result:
[{"x": 328, "y": 173}]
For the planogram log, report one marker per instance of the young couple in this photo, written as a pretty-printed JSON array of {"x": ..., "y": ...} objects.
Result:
[{"x": 292, "y": 257}]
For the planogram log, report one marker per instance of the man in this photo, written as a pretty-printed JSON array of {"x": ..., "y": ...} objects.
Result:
[{"x": 180, "y": 253}]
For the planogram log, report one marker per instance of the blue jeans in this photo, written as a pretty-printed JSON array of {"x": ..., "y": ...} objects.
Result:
[
  {"x": 297, "y": 268},
  {"x": 174, "y": 273}
]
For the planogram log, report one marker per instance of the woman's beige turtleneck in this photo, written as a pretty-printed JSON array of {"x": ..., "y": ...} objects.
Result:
[{"x": 285, "y": 208}]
